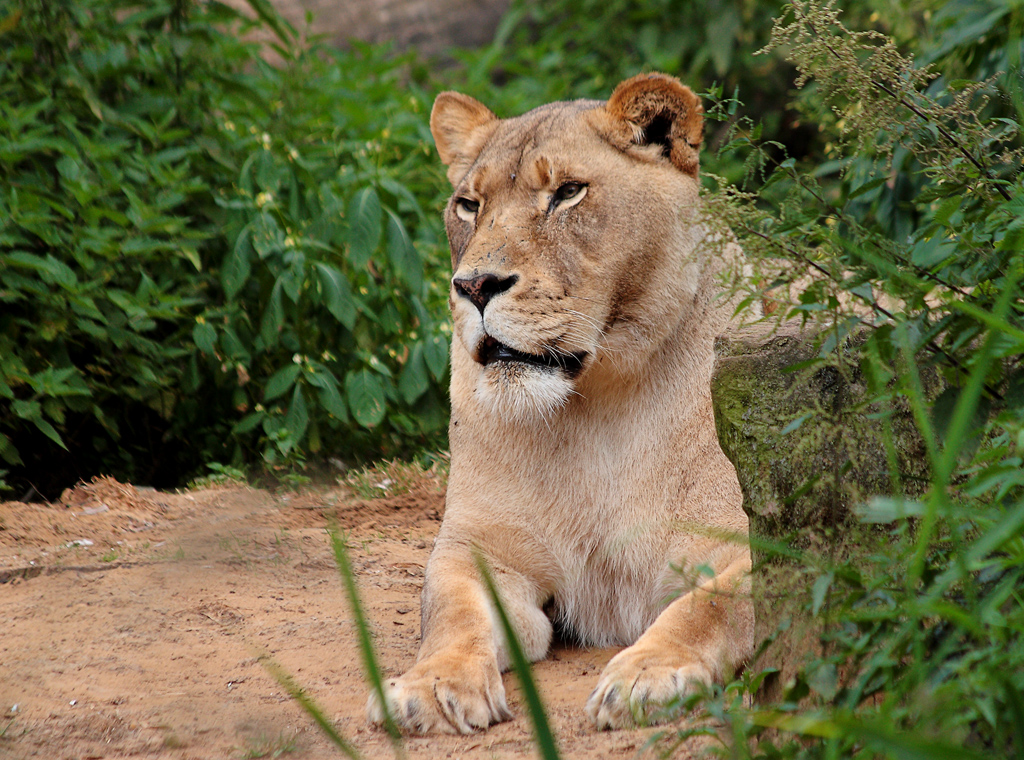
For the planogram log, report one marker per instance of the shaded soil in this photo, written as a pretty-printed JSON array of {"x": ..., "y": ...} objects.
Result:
[{"x": 131, "y": 623}]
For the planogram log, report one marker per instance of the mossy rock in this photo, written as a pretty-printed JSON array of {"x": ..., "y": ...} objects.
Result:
[{"x": 809, "y": 446}]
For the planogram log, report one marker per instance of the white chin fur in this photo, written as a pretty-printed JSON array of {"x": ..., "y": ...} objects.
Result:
[{"x": 520, "y": 393}]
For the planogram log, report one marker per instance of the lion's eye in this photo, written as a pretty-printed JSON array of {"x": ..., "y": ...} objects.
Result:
[
  {"x": 466, "y": 209},
  {"x": 568, "y": 194}
]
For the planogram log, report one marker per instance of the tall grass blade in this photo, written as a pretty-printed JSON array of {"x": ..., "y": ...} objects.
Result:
[
  {"x": 269, "y": 15},
  {"x": 940, "y": 495},
  {"x": 541, "y": 728},
  {"x": 365, "y": 641},
  {"x": 967, "y": 402},
  {"x": 907, "y": 746},
  {"x": 306, "y": 703}
]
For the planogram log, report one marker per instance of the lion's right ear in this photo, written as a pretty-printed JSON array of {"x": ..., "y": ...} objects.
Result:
[{"x": 461, "y": 126}]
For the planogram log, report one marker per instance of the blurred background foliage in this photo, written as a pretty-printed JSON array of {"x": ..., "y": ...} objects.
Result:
[{"x": 205, "y": 257}]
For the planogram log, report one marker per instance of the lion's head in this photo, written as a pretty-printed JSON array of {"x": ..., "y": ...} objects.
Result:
[{"x": 575, "y": 240}]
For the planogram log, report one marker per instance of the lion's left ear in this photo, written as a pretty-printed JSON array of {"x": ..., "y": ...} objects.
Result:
[
  {"x": 461, "y": 126},
  {"x": 656, "y": 109}
]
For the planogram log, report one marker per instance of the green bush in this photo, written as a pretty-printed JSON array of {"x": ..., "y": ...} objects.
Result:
[{"x": 206, "y": 257}]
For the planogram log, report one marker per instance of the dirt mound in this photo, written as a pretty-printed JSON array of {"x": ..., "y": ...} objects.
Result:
[{"x": 102, "y": 521}]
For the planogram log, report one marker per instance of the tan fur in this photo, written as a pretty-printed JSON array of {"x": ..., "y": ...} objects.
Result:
[{"x": 595, "y": 489}]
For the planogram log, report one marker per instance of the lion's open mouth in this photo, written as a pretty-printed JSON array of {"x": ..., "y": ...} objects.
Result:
[{"x": 491, "y": 351}]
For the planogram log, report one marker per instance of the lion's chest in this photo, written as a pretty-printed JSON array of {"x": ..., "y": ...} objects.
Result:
[
  {"x": 608, "y": 593},
  {"x": 612, "y": 542},
  {"x": 593, "y": 505}
]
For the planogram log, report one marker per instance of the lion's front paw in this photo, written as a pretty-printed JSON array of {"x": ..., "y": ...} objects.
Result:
[
  {"x": 444, "y": 694},
  {"x": 640, "y": 686}
]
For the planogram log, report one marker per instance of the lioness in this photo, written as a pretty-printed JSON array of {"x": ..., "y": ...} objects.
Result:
[{"x": 584, "y": 462}]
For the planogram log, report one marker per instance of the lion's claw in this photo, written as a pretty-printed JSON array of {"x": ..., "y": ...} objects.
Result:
[
  {"x": 641, "y": 688},
  {"x": 462, "y": 701}
]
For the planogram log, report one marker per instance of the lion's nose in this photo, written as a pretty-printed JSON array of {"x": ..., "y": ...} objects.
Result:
[{"x": 482, "y": 288}]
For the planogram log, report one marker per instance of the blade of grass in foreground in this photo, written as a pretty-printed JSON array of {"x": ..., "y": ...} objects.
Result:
[
  {"x": 887, "y": 741},
  {"x": 306, "y": 703},
  {"x": 365, "y": 641},
  {"x": 541, "y": 729}
]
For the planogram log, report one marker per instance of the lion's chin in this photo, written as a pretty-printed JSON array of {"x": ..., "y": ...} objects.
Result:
[{"x": 520, "y": 392}]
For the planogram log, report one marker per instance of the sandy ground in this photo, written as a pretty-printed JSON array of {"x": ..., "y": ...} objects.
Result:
[{"x": 131, "y": 623}]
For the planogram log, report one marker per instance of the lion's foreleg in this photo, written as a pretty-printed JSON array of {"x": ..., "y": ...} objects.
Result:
[
  {"x": 701, "y": 637},
  {"x": 455, "y": 685}
]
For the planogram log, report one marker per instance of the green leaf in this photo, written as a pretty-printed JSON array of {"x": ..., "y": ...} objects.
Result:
[
  {"x": 8, "y": 451},
  {"x": 273, "y": 317},
  {"x": 61, "y": 273},
  {"x": 947, "y": 208},
  {"x": 942, "y": 411},
  {"x": 365, "y": 392},
  {"x": 331, "y": 400},
  {"x": 542, "y": 733},
  {"x": 402, "y": 254},
  {"x": 52, "y": 271},
  {"x": 901, "y": 745},
  {"x": 365, "y": 216},
  {"x": 435, "y": 351},
  {"x": 309, "y": 705},
  {"x": 191, "y": 255},
  {"x": 413, "y": 381},
  {"x": 824, "y": 680},
  {"x": 819, "y": 591},
  {"x": 318, "y": 375},
  {"x": 205, "y": 336},
  {"x": 268, "y": 173},
  {"x": 867, "y": 187},
  {"x": 883, "y": 509},
  {"x": 277, "y": 23},
  {"x": 1006, "y": 529},
  {"x": 337, "y": 294},
  {"x": 237, "y": 264},
  {"x": 232, "y": 345},
  {"x": 26, "y": 409},
  {"x": 993, "y": 321},
  {"x": 293, "y": 278},
  {"x": 804, "y": 724},
  {"x": 47, "y": 429},
  {"x": 248, "y": 423},
  {"x": 932, "y": 252},
  {"x": 297, "y": 418},
  {"x": 326, "y": 226},
  {"x": 795, "y": 424},
  {"x": 281, "y": 381},
  {"x": 266, "y": 235},
  {"x": 370, "y": 665}
]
